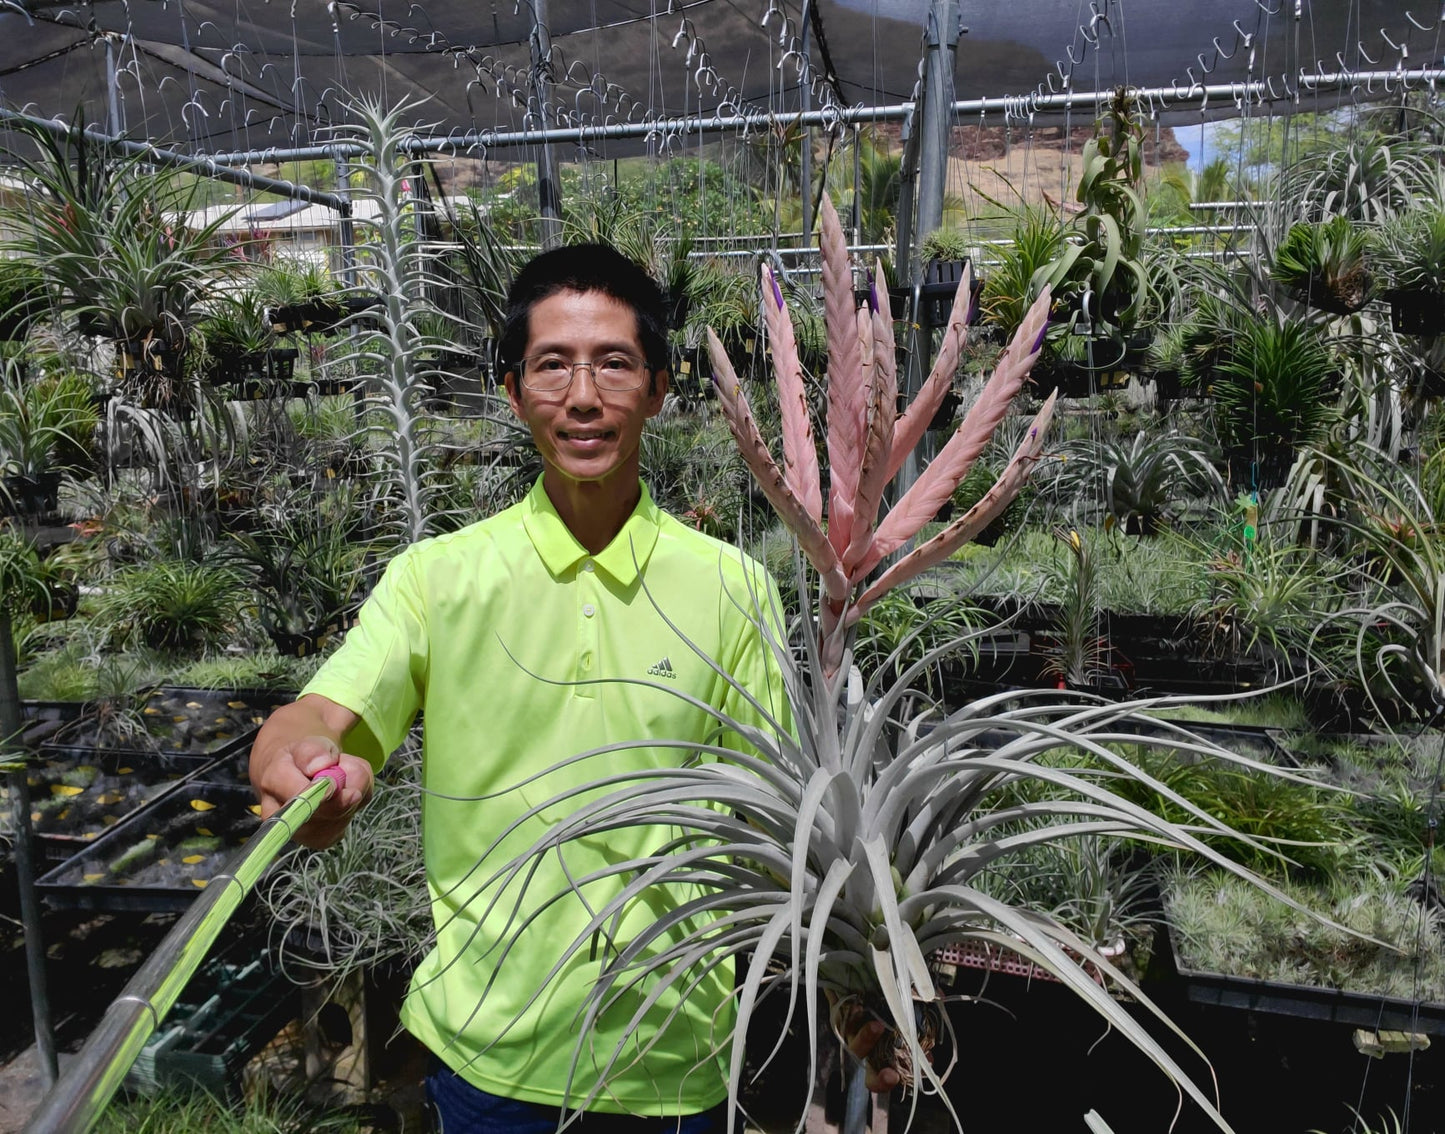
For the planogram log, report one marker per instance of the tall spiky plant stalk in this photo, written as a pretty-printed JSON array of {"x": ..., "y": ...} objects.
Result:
[
  {"x": 867, "y": 442},
  {"x": 396, "y": 265}
]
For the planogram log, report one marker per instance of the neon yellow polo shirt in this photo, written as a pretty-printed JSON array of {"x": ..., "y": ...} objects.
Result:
[{"x": 497, "y": 631}]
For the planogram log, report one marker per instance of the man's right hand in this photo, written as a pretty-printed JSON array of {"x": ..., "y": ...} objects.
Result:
[{"x": 296, "y": 742}]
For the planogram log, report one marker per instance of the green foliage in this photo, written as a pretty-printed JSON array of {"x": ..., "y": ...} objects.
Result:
[
  {"x": 901, "y": 629},
  {"x": 172, "y": 604},
  {"x": 1220, "y": 925},
  {"x": 184, "y": 1113},
  {"x": 1012, "y": 285},
  {"x": 1410, "y": 250},
  {"x": 1300, "y": 825},
  {"x": 1135, "y": 482},
  {"x": 103, "y": 228},
  {"x": 1368, "y": 179},
  {"x": 693, "y": 471},
  {"x": 1078, "y": 654},
  {"x": 1275, "y": 390},
  {"x": 1108, "y": 262},
  {"x": 236, "y": 325},
  {"x": 46, "y": 425},
  {"x": 304, "y": 569},
  {"x": 945, "y": 243},
  {"x": 1325, "y": 263},
  {"x": 365, "y": 901}
]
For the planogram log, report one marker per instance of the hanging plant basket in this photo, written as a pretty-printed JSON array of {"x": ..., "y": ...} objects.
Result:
[
  {"x": 1265, "y": 466},
  {"x": 37, "y": 495},
  {"x": 1342, "y": 296},
  {"x": 239, "y": 368},
  {"x": 154, "y": 357},
  {"x": 1417, "y": 312},
  {"x": 940, "y": 285},
  {"x": 321, "y": 316},
  {"x": 1428, "y": 383},
  {"x": 330, "y": 387}
]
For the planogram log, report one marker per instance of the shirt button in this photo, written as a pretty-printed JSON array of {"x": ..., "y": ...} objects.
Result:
[
  {"x": 589, "y": 610},
  {"x": 586, "y": 661},
  {"x": 587, "y": 566}
]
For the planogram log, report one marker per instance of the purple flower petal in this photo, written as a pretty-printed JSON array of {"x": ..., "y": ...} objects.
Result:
[
  {"x": 873, "y": 304},
  {"x": 1039, "y": 342},
  {"x": 777, "y": 291},
  {"x": 972, "y": 317}
]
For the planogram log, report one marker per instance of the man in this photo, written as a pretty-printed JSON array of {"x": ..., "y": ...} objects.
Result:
[{"x": 560, "y": 625}]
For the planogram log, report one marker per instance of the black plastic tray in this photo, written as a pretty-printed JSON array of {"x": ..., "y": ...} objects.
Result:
[
  {"x": 1358, "y": 1009},
  {"x": 111, "y": 786},
  {"x": 224, "y": 715},
  {"x": 160, "y": 880}
]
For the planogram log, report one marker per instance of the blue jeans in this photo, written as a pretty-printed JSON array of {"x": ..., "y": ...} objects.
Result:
[{"x": 459, "y": 1108}]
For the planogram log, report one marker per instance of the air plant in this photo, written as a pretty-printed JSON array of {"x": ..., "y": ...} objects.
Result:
[
  {"x": 854, "y": 838},
  {"x": 868, "y": 442}
]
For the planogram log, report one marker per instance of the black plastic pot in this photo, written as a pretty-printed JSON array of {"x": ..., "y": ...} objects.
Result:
[
  {"x": 321, "y": 316},
  {"x": 30, "y": 496},
  {"x": 57, "y": 604},
  {"x": 1417, "y": 312}
]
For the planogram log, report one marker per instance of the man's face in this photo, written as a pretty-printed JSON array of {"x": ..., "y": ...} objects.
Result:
[{"x": 584, "y": 434}]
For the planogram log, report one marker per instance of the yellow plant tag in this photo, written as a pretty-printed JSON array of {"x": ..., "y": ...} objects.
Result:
[{"x": 202, "y": 805}]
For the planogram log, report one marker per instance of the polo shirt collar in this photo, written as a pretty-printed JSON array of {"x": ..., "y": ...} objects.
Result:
[{"x": 560, "y": 551}]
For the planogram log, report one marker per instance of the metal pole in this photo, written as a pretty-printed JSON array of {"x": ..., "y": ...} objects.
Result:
[
  {"x": 549, "y": 191},
  {"x": 17, "y": 778},
  {"x": 805, "y": 104},
  {"x": 348, "y": 226},
  {"x": 1194, "y": 97},
  {"x": 202, "y": 166},
  {"x": 74, "y": 1104},
  {"x": 855, "y": 1103},
  {"x": 116, "y": 126},
  {"x": 941, "y": 35}
]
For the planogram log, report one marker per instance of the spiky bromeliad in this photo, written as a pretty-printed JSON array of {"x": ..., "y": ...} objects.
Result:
[{"x": 843, "y": 851}]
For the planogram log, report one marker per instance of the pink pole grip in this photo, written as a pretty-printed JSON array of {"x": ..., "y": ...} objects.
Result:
[{"x": 334, "y": 772}]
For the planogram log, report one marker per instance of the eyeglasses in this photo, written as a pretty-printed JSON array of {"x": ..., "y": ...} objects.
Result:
[{"x": 616, "y": 373}]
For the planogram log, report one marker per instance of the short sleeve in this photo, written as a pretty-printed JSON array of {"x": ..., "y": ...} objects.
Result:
[
  {"x": 756, "y": 632},
  {"x": 380, "y": 670}
]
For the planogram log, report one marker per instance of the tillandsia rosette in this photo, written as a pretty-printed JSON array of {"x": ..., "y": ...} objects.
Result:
[{"x": 855, "y": 835}]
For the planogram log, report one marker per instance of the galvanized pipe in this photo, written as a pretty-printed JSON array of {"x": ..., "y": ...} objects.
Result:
[
  {"x": 17, "y": 776},
  {"x": 1178, "y": 97},
  {"x": 211, "y": 167},
  {"x": 74, "y": 1104}
]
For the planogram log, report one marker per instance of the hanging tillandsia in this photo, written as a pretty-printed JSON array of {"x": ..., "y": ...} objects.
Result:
[{"x": 857, "y": 832}]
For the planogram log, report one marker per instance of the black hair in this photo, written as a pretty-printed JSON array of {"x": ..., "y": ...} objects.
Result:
[{"x": 584, "y": 268}]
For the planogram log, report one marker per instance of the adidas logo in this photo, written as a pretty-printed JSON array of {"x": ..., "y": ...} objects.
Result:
[{"x": 663, "y": 669}]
